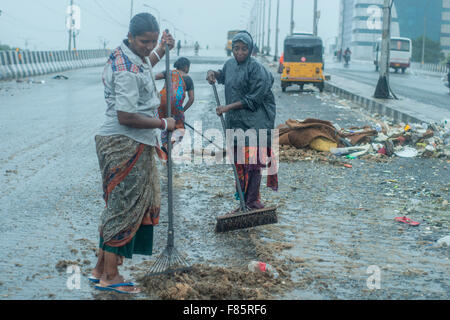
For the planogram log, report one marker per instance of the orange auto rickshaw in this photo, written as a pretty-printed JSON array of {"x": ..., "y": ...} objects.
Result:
[{"x": 303, "y": 62}]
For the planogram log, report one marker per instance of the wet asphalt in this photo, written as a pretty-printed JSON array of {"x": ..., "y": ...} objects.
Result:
[{"x": 338, "y": 221}]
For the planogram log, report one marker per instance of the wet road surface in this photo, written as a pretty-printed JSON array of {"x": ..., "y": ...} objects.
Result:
[
  {"x": 424, "y": 88},
  {"x": 334, "y": 222}
]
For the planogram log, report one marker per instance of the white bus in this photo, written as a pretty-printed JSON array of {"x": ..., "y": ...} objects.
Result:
[{"x": 399, "y": 55}]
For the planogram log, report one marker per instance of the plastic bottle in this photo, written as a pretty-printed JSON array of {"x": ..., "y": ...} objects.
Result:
[
  {"x": 377, "y": 127},
  {"x": 258, "y": 266}
]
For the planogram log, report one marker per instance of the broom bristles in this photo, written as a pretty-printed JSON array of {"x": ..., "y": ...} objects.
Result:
[{"x": 247, "y": 219}]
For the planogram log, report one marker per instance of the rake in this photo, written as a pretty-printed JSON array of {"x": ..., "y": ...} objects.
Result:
[
  {"x": 245, "y": 218},
  {"x": 170, "y": 260}
]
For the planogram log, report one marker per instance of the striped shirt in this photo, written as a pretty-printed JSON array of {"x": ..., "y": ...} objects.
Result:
[{"x": 129, "y": 87}]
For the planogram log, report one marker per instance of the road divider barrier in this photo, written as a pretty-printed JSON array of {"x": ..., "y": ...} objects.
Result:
[{"x": 23, "y": 64}]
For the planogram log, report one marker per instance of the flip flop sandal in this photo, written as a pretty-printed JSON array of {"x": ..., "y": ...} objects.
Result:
[
  {"x": 406, "y": 220},
  {"x": 94, "y": 279},
  {"x": 113, "y": 287}
]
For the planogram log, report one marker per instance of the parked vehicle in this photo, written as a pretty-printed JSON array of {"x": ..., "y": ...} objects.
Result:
[
  {"x": 230, "y": 36},
  {"x": 303, "y": 61},
  {"x": 400, "y": 50}
]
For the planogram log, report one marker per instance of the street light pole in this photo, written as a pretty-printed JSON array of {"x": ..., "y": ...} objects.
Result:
[
  {"x": 315, "y": 19},
  {"x": 263, "y": 25},
  {"x": 382, "y": 89},
  {"x": 277, "y": 30},
  {"x": 260, "y": 25},
  {"x": 71, "y": 25},
  {"x": 424, "y": 31},
  {"x": 292, "y": 17},
  {"x": 257, "y": 22},
  {"x": 131, "y": 10},
  {"x": 268, "y": 28}
]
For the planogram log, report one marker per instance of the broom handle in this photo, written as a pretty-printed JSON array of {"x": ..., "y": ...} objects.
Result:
[
  {"x": 170, "y": 235},
  {"x": 236, "y": 177}
]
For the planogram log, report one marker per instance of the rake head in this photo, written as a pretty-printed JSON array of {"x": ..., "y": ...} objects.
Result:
[
  {"x": 248, "y": 219},
  {"x": 169, "y": 262}
]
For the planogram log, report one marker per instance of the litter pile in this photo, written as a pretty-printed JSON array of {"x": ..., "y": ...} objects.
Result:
[
  {"x": 208, "y": 282},
  {"x": 379, "y": 141}
]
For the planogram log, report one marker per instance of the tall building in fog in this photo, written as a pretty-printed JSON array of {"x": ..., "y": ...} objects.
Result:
[{"x": 361, "y": 21}]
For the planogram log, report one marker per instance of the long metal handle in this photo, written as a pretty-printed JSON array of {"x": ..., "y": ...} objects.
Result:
[
  {"x": 220, "y": 148},
  {"x": 236, "y": 177},
  {"x": 170, "y": 236}
]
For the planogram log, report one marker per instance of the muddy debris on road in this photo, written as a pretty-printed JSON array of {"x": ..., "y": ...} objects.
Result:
[{"x": 207, "y": 281}]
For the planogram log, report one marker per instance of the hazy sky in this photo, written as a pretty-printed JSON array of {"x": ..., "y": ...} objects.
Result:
[{"x": 40, "y": 24}]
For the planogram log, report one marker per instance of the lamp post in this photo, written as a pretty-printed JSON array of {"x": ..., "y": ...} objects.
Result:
[
  {"x": 315, "y": 19},
  {"x": 424, "y": 30},
  {"x": 382, "y": 89},
  {"x": 268, "y": 28},
  {"x": 263, "y": 26},
  {"x": 131, "y": 10},
  {"x": 277, "y": 31},
  {"x": 292, "y": 17}
]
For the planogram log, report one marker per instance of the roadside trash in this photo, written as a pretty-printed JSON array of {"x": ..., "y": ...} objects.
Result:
[
  {"x": 349, "y": 150},
  {"x": 377, "y": 141},
  {"x": 381, "y": 137},
  {"x": 444, "y": 241},
  {"x": 322, "y": 144},
  {"x": 60, "y": 77},
  {"x": 377, "y": 127},
  {"x": 36, "y": 81},
  {"x": 406, "y": 220},
  {"x": 407, "y": 152},
  {"x": 258, "y": 266}
]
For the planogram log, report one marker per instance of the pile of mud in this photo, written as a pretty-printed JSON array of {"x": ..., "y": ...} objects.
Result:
[{"x": 212, "y": 283}]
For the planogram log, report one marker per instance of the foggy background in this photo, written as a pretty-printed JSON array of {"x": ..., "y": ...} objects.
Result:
[{"x": 40, "y": 25}]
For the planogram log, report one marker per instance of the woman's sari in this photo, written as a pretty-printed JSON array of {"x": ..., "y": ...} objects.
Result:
[
  {"x": 131, "y": 188},
  {"x": 176, "y": 103}
]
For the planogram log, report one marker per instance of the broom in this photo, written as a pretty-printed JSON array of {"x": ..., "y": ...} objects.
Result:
[
  {"x": 170, "y": 260},
  {"x": 245, "y": 218}
]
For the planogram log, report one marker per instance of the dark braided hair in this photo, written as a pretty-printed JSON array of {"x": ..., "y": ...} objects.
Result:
[
  {"x": 143, "y": 22},
  {"x": 181, "y": 63}
]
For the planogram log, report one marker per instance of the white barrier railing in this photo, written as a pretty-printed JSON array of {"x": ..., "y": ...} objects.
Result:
[
  {"x": 23, "y": 64},
  {"x": 431, "y": 67}
]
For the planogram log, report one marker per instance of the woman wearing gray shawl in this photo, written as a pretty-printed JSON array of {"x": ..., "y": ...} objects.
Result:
[{"x": 250, "y": 104}]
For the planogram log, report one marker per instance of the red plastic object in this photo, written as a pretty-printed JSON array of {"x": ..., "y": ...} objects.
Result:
[{"x": 406, "y": 220}]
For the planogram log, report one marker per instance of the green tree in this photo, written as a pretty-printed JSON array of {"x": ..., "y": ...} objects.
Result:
[
  {"x": 4, "y": 47},
  {"x": 433, "y": 51}
]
